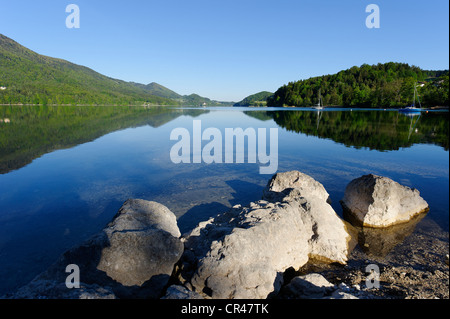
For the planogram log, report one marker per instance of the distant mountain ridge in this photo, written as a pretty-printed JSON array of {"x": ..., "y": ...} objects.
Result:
[
  {"x": 192, "y": 99},
  {"x": 27, "y": 77},
  {"x": 258, "y": 99},
  {"x": 158, "y": 90}
]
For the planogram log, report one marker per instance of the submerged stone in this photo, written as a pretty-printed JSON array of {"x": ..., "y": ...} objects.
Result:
[{"x": 133, "y": 257}]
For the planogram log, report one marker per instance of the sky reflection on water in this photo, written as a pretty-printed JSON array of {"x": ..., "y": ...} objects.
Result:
[{"x": 65, "y": 196}]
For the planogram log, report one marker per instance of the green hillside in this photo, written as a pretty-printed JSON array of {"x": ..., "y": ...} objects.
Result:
[
  {"x": 158, "y": 90},
  {"x": 31, "y": 78},
  {"x": 192, "y": 99},
  {"x": 258, "y": 99},
  {"x": 382, "y": 85}
]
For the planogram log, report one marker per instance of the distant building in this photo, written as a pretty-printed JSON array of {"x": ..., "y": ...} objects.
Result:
[{"x": 2, "y": 88}]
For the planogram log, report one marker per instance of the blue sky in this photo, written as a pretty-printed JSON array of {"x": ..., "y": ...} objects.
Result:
[{"x": 226, "y": 50}]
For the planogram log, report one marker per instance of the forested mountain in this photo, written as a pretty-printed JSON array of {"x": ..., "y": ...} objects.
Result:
[
  {"x": 27, "y": 77},
  {"x": 192, "y": 99},
  {"x": 36, "y": 79},
  {"x": 195, "y": 99},
  {"x": 382, "y": 85},
  {"x": 158, "y": 90},
  {"x": 258, "y": 99},
  {"x": 30, "y": 78}
]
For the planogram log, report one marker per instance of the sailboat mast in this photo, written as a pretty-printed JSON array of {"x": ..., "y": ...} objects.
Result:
[
  {"x": 418, "y": 99},
  {"x": 320, "y": 98}
]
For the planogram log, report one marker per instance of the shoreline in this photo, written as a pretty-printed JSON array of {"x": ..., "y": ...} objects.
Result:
[
  {"x": 346, "y": 107},
  {"x": 413, "y": 266},
  {"x": 232, "y": 106},
  {"x": 418, "y": 268}
]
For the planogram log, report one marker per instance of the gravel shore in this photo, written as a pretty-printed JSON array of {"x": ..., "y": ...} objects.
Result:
[{"x": 417, "y": 268}]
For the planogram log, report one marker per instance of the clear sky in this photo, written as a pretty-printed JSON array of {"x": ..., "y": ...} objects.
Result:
[{"x": 226, "y": 50}]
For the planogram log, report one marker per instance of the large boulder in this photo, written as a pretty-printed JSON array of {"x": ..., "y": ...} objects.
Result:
[
  {"x": 244, "y": 252},
  {"x": 376, "y": 201},
  {"x": 143, "y": 243},
  {"x": 305, "y": 184},
  {"x": 328, "y": 242},
  {"x": 133, "y": 257},
  {"x": 331, "y": 241}
]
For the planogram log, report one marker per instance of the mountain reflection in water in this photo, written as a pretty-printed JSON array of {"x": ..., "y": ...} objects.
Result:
[{"x": 66, "y": 170}]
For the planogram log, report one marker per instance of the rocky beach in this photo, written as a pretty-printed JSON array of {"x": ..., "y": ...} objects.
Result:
[{"x": 291, "y": 244}]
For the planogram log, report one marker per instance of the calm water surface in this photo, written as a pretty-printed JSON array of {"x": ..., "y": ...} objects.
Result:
[{"x": 65, "y": 171}]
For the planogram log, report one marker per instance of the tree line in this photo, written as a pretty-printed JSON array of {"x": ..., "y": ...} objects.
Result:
[{"x": 382, "y": 85}]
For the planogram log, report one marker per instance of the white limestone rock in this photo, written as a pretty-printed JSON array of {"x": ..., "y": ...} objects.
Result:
[
  {"x": 377, "y": 201},
  {"x": 244, "y": 252}
]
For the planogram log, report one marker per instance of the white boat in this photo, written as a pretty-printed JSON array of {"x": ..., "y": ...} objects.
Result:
[
  {"x": 412, "y": 108},
  {"x": 319, "y": 106}
]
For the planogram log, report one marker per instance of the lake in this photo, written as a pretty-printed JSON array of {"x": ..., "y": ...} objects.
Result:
[{"x": 65, "y": 171}]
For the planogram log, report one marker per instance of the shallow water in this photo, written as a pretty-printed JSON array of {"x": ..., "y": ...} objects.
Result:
[{"x": 65, "y": 171}]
